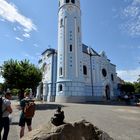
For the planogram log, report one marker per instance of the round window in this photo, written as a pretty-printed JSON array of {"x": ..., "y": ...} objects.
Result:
[{"x": 104, "y": 72}]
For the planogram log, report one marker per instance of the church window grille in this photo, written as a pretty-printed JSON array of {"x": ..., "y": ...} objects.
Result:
[
  {"x": 60, "y": 87},
  {"x": 84, "y": 70},
  {"x": 60, "y": 71},
  {"x": 73, "y": 1},
  {"x": 70, "y": 48},
  {"x": 67, "y": 1}
]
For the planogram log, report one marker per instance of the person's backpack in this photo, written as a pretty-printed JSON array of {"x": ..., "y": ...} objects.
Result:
[
  {"x": 1, "y": 102},
  {"x": 29, "y": 109}
]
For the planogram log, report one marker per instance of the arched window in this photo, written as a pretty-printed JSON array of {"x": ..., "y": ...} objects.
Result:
[
  {"x": 44, "y": 67},
  {"x": 78, "y": 29},
  {"x": 112, "y": 77},
  {"x": 73, "y": 1},
  {"x": 84, "y": 70},
  {"x": 104, "y": 72},
  {"x": 60, "y": 71},
  {"x": 70, "y": 48},
  {"x": 61, "y": 22},
  {"x": 67, "y": 1},
  {"x": 60, "y": 88}
]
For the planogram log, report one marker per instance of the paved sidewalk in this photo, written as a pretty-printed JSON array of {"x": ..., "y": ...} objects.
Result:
[
  {"x": 14, "y": 128},
  {"x": 120, "y": 122}
]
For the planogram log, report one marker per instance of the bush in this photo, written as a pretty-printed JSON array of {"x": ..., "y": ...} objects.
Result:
[{"x": 15, "y": 91}]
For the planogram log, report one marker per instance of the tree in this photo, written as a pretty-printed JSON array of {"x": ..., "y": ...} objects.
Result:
[
  {"x": 137, "y": 87},
  {"x": 1, "y": 87},
  {"x": 127, "y": 87},
  {"x": 21, "y": 75},
  {"x": 139, "y": 79}
]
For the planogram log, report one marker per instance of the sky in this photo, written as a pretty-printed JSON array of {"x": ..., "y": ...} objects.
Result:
[{"x": 28, "y": 27}]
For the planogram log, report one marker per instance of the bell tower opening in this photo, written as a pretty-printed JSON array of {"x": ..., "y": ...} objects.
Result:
[
  {"x": 67, "y": 1},
  {"x": 72, "y": 1}
]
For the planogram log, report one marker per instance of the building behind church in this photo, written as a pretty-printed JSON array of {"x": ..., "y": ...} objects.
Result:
[{"x": 75, "y": 72}]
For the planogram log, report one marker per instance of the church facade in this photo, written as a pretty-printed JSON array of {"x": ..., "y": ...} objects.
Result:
[{"x": 75, "y": 72}]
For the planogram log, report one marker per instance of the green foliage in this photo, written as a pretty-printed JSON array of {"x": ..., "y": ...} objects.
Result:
[
  {"x": 21, "y": 74},
  {"x": 139, "y": 79},
  {"x": 15, "y": 91},
  {"x": 131, "y": 87},
  {"x": 27, "y": 90},
  {"x": 137, "y": 87},
  {"x": 127, "y": 87},
  {"x": 2, "y": 87}
]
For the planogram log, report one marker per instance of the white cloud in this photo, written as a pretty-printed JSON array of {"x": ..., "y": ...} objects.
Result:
[
  {"x": 15, "y": 29},
  {"x": 19, "y": 39},
  {"x": 35, "y": 45},
  {"x": 131, "y": 14},
  {"x": 129, "y": 75},
  {"x": 28, "y": 56},
  {"x": 38, "y": 54},
  {"x": 10, "y": 13},
  {"x": 26, "y": 35}
]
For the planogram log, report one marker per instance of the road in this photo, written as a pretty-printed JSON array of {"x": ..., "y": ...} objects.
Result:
[{"x": 119, "y": 121}]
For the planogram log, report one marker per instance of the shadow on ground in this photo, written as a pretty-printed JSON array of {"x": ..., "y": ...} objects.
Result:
[
  {"x": 112, "y": 103},
  {"x": 14, "y": 123},
  {"x": 42, "y": 106},
  {"x": 48, "y": 106}
]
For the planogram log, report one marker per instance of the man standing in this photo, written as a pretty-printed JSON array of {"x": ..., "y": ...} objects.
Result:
[
  {"x": 6, "y": 110},
  {"x": 23, "y": 117}
]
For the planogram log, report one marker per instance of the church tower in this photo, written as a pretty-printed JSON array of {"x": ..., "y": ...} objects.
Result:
[{"x": 70, "y": 86}]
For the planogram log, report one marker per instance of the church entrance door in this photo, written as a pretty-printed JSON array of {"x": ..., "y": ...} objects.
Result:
[{"x": 107, "y": 92}]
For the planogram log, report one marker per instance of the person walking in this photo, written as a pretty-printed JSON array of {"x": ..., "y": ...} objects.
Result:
[
  {"x": 6, "y": 111},
  {"x": 27, "y": 112}
]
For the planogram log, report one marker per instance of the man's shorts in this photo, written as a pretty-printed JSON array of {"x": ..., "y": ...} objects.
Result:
[{"x": 22, "y": 122}]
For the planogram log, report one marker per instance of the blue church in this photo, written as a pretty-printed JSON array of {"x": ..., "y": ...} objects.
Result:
[{"x": 75, "y": 72}]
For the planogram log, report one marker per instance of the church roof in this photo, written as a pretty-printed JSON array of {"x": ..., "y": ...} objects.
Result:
[
  {"x": 40, "y": 61},
  {"x": 49, "y": 51},
  {"x": 92, "y": 52},
  {"x": 89, "y": 50}
]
